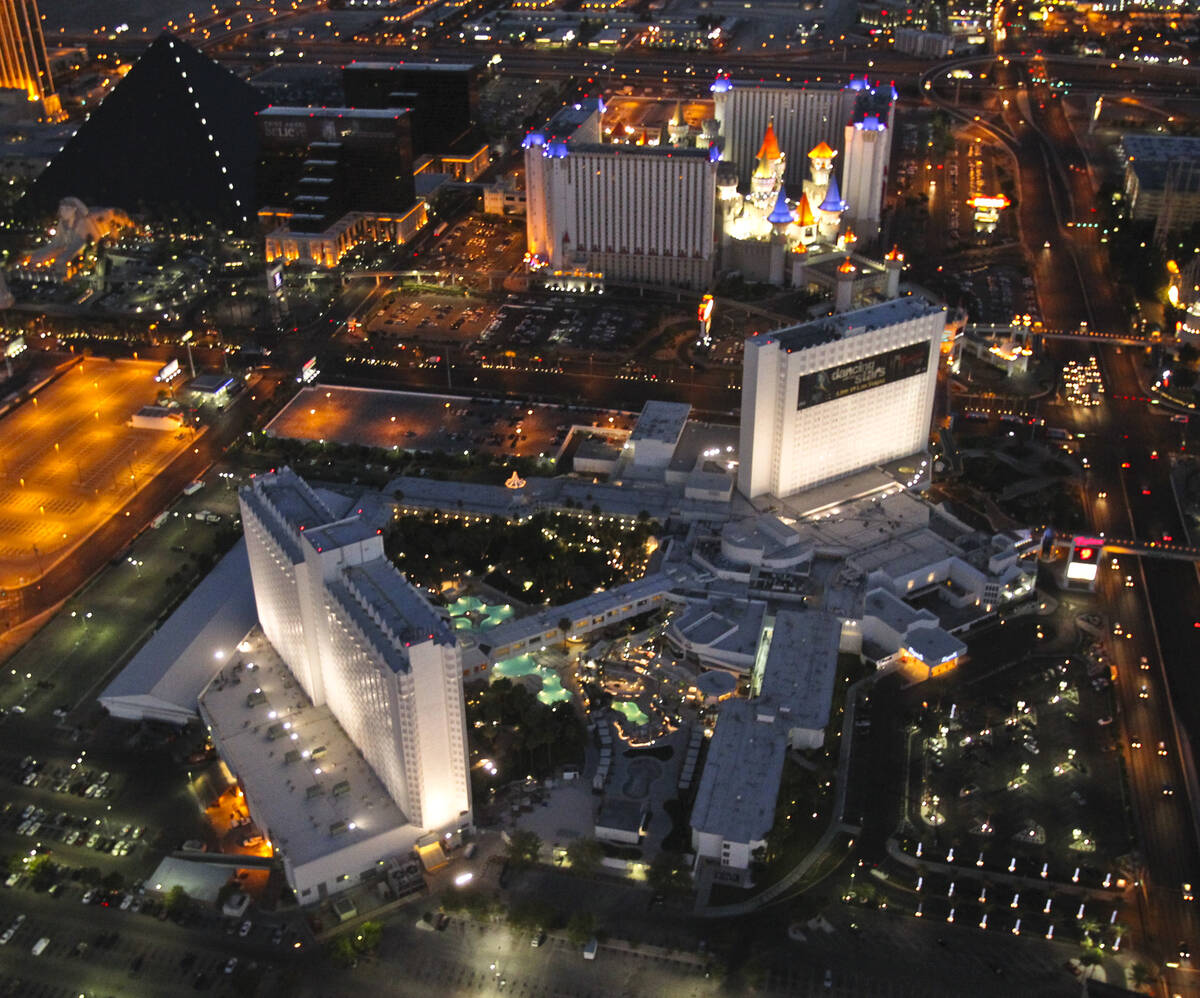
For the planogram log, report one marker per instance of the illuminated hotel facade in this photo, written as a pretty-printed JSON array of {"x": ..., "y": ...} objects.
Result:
[
  {"x": 360, "y": 639},
  {"x": 830, "y": 397},
  {"x": 23, "y": 61},
  {"x": 634, "y": 213}
]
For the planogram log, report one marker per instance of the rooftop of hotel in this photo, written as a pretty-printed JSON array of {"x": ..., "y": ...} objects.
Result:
[
  {"x": 292, "y": 497},
  {"x": 594, "y": 605},
  {"x": 730, "y": 625},
  {"x": 274, "y": 111},
  {"x": 830, "y": 328},
  {"x": 801, "y": 664},
  {"x": 419, "y": 67},
  {"x": 398, "y": 608},
  {"x": 698, "y": 438},
  {"x": 933, "y": 645},
  {"x": 569, "y": 117},
  {"x": 182, "y": 656},
  {"x": 1137, "y": 146},
  {"x": 661, "y": 421},
  {"x": 893, "y": 611},
  {"x": 740, "y": 780},
  {"x": 340, "y": 533},
  {"x": 621, "y": 149},
  {"x": 312, "y": 791}
]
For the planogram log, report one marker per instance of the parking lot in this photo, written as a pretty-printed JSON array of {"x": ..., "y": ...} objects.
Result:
[
  {"x": 68, "y": 460},
  {"x": 1026, "y": 760},
  {"x": 410, "y": 318},
  {"x": 408, "y": 421}
]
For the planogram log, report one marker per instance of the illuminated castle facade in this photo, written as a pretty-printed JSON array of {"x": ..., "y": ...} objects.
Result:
[
  {"x": 690, "y": 205},
  {"x": 806, "y": 241}
]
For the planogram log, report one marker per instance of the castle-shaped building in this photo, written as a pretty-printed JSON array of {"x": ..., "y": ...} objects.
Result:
[
  {"x": 685, "y": 205},
  {"x": 805, "y": 242}
]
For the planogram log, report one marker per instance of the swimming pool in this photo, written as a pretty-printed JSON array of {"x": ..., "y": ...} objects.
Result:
[
  {"x": 552, "y": 690},
  {"x": 633, "y": 713},
  {"x": 472, "y": 613}
]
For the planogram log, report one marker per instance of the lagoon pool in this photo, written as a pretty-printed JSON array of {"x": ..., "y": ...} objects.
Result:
[
  {"x": 552, "y": 690},
  {"x": 633, "y": 713}
]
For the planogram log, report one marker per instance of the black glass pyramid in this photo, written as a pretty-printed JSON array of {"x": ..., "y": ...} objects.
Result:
[{"x": 175, "y": 138}]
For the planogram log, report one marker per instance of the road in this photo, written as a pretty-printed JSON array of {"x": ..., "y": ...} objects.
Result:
[
  {"x": 1160, "y": 703},
  {"x": 1158, "y": 610}
]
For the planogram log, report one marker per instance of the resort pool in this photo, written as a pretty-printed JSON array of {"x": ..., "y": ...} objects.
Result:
[
  {"x": 633, "y": 713},
  {"x": 552, "y": 690},
  {"x": 472, "y": 613}
]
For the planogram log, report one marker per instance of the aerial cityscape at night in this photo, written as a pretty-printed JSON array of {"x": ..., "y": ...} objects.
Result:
[{"x": 599, "y": 498}]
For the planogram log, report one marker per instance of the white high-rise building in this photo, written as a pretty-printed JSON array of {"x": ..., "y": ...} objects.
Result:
[
  {"x": 361, "y": 640},
  {"x": 868, "y": 148},
  {"x": 634, "y": 213},
  {"x": 803, "y": 117},
  {"x": 830, "y": 397}
]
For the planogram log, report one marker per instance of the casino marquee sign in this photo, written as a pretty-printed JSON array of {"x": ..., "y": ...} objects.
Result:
[{"x": 862, "y": 375}]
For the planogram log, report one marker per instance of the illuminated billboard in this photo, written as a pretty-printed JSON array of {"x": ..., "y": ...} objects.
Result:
[
  {"x": 168, "y": 372},
  {"x": 862, "y": 375},
  {"x": 1085, "y": 559}
]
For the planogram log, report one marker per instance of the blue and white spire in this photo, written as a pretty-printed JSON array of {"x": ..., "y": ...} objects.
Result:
[
  {"x": 781, "y": 214},
  {"x": 833, "y": 197}
]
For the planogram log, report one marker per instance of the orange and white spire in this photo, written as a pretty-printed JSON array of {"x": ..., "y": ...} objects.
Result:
[{"x": 769, "y": 150}]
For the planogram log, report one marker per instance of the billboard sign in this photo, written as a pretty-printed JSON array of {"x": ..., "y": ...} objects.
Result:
[
  {"x": 861, "y": 375},
  {"x": 168, "y": 372},
  {"x": 1085, "y": 559}
]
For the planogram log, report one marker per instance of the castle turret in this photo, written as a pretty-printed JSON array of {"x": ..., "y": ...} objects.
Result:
[
  {"x": 781, "y": 215},
  {"x": 844, "y": 292},
  {"x": 894, "y": 262},
  {"x": 830, "y": 208},
  {"x": 677, "y": 128},
  {"x": 820, "y": 163},
  {"x": 768, "y": 174},
  {"x": 719, "y": 88}
]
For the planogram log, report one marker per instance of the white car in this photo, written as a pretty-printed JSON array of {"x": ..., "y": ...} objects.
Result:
[
  {"x": 231, "y": 966},
  {"x": 88, "y": 896},
  {"x": 244, "y": 929}
]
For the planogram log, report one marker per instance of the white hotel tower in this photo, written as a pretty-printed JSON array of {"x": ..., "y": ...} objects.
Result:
[
  {"x": 830, "y": 397},
  {"x": 634, "y": 213},
  {"x": 362, "y": 641}
]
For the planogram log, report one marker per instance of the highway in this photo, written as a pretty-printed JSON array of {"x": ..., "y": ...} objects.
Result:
[
  {"x": 1155, "y": 616},
  {"x": 1160, "y": 701}
]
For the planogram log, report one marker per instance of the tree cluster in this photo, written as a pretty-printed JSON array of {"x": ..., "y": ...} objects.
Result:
[
  {"x": 560, "y": 557},
  {"x": 520, "y": 732}
]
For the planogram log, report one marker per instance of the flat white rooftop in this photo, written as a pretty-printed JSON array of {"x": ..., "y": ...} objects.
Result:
[
  {"x": 842, "y": 325},
  {"x": 163, "y": 680},
  {"x": 309, "y": 788},
  {"x": 798, "y": 675},
  {"x": 740, "y": 781},
  {"x": 661, "y": 421}
]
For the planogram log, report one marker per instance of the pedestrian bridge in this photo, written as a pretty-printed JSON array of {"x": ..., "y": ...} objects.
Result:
[
  {"x": 1152, "y": 549},
  {"x": 1082, "y": 335}
]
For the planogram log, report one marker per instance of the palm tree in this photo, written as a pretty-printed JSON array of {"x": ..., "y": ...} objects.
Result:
[
  {"x": 1142, "y": 975},
  {"x": 1091, "y": 958}
]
